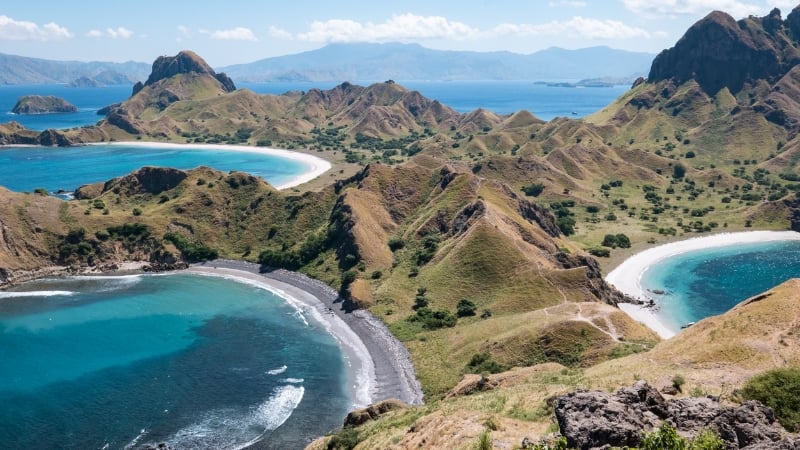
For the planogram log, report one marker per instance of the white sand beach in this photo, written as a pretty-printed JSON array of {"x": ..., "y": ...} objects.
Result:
[
  {"x": 627, "y": 276},
  {"x": 316, "y": 166},
  {"x": 380, "y": 367}
]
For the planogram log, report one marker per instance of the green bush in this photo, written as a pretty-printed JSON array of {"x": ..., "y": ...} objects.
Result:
[
  {"x": 483, "y": 363},
  {"x": 664, "y": 438},
  {"x": 533, "y": 190},
  {"x": 434, "y": 319},
  {"x": 678, "y": 381},
  {"x": 190, "y": 250},
  {"x": 778, "y": 389},
  {"x": 465, "y": 308}
]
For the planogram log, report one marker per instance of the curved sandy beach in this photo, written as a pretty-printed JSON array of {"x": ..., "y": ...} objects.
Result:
[
  {"x": 380, "y": 366},
  {"x": 627, "y": 276},
  {"x": 316, "y": 166}
]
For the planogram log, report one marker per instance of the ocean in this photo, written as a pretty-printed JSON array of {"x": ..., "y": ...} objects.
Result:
[
  {"x": 192, "y": 361},
  {"x": 24, "y": 169},
  {"x": 502, "y": 97},
  {"x": 704, "y": 283}
]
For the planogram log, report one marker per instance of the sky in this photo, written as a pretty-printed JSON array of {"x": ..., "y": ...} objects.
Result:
[{"x": 243, "y": 31}]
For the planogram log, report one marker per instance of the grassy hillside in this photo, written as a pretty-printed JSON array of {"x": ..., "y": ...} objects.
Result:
[{"x": 714, "y": 357}]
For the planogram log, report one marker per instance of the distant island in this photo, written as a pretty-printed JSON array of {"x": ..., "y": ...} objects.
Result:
[
  {"x": 38, "y": 104},
  {"x": 592, "y": 82}
]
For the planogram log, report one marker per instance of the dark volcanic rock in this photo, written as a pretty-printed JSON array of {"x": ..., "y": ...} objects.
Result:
[
  {"x": 372, "y": 412},
  {"x": 594, "y": 419},
  {"x": 185, "y": 62},
  {"x": 718, "y": 51},
  {"x": 38, "y": 104}
]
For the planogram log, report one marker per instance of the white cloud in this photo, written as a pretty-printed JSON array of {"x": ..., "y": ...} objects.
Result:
[
  {"x": 20, "y": 30},
  {"x": 568, "y": 4},
  {"x": 94, "y": 34},
  {"x": 235, "y": 34},
  {"x": 736, "y": 8},
  {"x": 119, "y": 33},
  {"x": 279, "y": 33},
  {"x": 575, "y": 27},
  {"x": 398, "y": 28}
]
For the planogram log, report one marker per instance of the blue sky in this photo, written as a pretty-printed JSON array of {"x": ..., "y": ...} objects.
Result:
[{"x": 244, "y": 31}]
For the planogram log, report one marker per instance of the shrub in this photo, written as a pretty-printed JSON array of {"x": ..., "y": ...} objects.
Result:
[
  {"x": 592, "y": 209},
  {"x": 678, "y": 381},
  {"x": 434, "y": 319},
  {"x": 707, "y": 440},
  {"x": 600, "y": 252},
  {"x": 778, "y": 389},
  {"x": 664, "y": 438},
  {"x": 465, "y": 308},
  {"x": 376, "y": 275},
  {"x": 190, "y": 250},
  {"x": 396, "y": 244},
  {"x": 482, "y": 363},
  {"x": 41, "y": 191},
  {"x": 678, "y": 171},
  {"x": 616, "y": 240},
  {"x": 566, "y": 224},
  {"x": 137, "y": 212},
  {"x": 533, "y": 190}
]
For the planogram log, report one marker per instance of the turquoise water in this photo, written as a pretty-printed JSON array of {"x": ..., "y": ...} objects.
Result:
[
  {"x": 24, "y": 169},
  {"x": 704, "y": 283},
  {"x": 196, "y": 362}
]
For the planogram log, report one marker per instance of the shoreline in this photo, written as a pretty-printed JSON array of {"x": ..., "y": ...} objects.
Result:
[
  {"x": 627, "y": 276},
  {"x": 316, "y": 166},
  {"x": 379, "y": 365}
]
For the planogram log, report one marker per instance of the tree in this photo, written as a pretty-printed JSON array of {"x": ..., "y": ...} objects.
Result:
[
  {"x": 678, "y": 171},
  {"x": 465, "y": 308}
]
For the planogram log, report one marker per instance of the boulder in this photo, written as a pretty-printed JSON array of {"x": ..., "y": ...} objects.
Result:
[{"x": 595, "y": 419}]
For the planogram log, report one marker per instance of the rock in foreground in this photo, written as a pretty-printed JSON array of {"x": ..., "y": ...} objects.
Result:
[
  {"x": 595, "y": 419},
  {"x": 38, "y": 104}
]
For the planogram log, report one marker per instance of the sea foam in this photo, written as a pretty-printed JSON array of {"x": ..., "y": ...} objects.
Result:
[{"x": 231, "y": 429}]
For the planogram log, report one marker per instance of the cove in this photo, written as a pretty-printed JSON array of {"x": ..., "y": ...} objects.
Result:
[
  {"x": 695, "y": 278},
  {"x": 24, "y": 169},
  {"x": 189, "y": 360}
]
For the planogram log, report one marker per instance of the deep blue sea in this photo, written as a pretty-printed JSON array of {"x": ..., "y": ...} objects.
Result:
[
  {"x": 703, "y": 283},
  {"x": 24, "y": 169},
  {"x": 193, "y": 361},
  {"x": 502, "y": 97}
]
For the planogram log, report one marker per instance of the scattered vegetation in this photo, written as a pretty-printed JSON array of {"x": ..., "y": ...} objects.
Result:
[{"x": 777, "y": 389}]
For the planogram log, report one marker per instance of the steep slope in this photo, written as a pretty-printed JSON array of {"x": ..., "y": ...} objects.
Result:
[{"x": 714, "y": 356}]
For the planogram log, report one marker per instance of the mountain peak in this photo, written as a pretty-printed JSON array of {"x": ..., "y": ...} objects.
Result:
[
  {"x": 718, "y": 51},
  {"x": 185, "y": 62}
]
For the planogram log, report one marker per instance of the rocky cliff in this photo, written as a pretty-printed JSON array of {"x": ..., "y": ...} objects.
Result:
[
  {"x": 720, "y": 52},
  {"x": 184, "y": 63}
]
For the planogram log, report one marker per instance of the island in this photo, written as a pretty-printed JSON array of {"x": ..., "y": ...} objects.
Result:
[{"x": 39, "y": 104}]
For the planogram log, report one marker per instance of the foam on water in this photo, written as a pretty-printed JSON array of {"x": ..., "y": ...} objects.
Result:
[
  {"x": 232, "y": 429},
  {"x": 277, "y": 371},
  {"x": 7, "y": 294}
]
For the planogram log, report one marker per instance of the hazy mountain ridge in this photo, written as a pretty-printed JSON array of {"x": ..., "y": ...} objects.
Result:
[
  {"x": 24, "y": 70},
  {"x": 343, "y": 62}
]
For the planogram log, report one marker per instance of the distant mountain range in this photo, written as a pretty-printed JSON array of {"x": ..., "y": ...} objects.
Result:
[
  {"x": 23, "y": 70},
  {"x": 358, "y": 62},
  {"x": 378, "y": 62}
]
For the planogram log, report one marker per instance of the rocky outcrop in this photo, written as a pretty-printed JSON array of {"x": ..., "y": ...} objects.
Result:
[
  {"x": 185, "y": 62},
  {"x": 150, "y": 180},
  {"x": 718, "y": 51},
  {"x": 372, "y": 412},
  {"x": 595, "y": 419},
  {"x": 38, "y": 104}
]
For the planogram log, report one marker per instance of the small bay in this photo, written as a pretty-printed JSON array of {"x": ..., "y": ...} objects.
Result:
[
  {"x": 193, "y": 361},
  {"x": 697, "y": 284}
]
